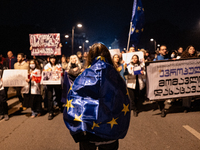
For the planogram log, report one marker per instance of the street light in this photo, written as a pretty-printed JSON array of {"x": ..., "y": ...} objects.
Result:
[
  {"x": 86, "y": 41},
  {"x": 79, "y": 26},
  {"x": 66, "y": 36},
  {"x": 152, "y": 40}
]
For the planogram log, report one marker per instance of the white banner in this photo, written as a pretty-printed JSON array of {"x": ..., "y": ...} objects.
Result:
[
  {"x": 128, "y": 56},
  {"x": 172, "y": 79},
  {"x": 15, "y": 78},
  {"x": 51, "y": 77}
]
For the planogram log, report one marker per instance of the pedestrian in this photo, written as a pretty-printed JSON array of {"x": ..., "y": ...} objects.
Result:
[
  {"x": 11, "y": 60},
  {"x": 119, "y": 67},
  {"x": 3, "y": 99},
  {"x": 73, "y": 67},
  {"x": 64, "y": 63},
  {"x": 97, "y": 110},
  {"x": 135, "y": 83},
  {"x": 20, "y": 64},
  {"x": 79, "y": 55},
  {"x": 189, "y": 53},
  {"x": 163, "y": 55},
  {"x": 55, "y": 67},
  {"x": 32, "y": 92}
]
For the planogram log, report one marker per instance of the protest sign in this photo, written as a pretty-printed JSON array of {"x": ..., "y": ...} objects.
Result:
[
  {"x": 173, "y": 79},
  {"x": 113, "y": 52},
  {"x": 51, "y": 77},
  {"x": 45, "y": 44},
  {"x": 128, "y": 56},
  {"x": 15, "y": 78}
]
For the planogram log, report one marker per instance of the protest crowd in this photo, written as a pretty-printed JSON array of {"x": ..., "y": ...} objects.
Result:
[{"x": 43, "y": 98}]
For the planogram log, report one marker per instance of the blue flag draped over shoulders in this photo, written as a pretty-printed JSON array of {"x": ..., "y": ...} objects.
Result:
[{"x": 98, "y": 103}]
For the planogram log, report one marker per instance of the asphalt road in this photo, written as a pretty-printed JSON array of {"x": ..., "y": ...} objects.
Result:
[{"x": 148, "y": 131}]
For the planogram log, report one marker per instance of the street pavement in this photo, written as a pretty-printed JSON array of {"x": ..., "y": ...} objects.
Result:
[{"x": 148, "y": 131}]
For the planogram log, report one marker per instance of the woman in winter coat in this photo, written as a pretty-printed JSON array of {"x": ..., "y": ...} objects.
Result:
[
  {"x": 32, "y": 92},
  {"x": 135, "y": 83},
  {"x": 74, "y": 67}
]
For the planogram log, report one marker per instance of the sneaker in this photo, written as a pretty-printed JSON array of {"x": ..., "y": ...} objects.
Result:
[
  {"x": 50, "y": 117},
  {"x": 33, "y": 116},
  {"x": 6, "y": 117},
  {"x": 163, "y": 113},
  {"x": 39, "y": 114},
  {"x": 1, "y": 117}
]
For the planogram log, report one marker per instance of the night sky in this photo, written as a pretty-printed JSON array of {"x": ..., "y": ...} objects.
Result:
[{"x": 101, "y": 19}]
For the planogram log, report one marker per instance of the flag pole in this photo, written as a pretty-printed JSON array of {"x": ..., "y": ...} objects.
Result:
[{"x": 129, "y": 35}]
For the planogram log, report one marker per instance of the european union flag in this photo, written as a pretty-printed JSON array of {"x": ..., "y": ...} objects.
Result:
[
  {"x": 98, "y": 103},
  {"x": 137, "y": 22}
]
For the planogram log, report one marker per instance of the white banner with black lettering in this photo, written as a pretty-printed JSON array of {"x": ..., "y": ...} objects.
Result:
[{"x": 172, "y": 79}]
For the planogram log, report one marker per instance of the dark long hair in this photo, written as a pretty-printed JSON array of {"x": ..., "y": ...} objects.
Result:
[
  {"x": 186, "y": 54},
  {"x": 37, "y": 65},
  {"x": 98, "y": 49},
  {"x": 138, "y": 62}
]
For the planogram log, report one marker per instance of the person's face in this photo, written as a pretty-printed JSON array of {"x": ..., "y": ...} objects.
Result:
[
  {"x": 73, "y": 60},
  {"x": 180, "y": 50},
  {"x": 19, "y": 58},
  {"x": 191, "y": 50},
  {"x": 79, "y": 55},
  {"x": 135, "y": 59},
  {"x": 53, "y": 61},
  {"x": 116, "y": 59},
  {"x": 10, "y": 54},
  {"x": 163, "y": 50},
  {"x": 147, "y": 54},
  {"x": 63, "y": 59},
  {"x": 132, "y": 49}
]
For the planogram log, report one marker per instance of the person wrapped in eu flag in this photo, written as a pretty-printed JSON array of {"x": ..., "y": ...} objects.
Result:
[{"x": 98, "y": 107}]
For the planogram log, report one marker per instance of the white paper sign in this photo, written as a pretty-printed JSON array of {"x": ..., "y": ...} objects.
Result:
[
  {"x": 173, "y": 79},
  {"x": 113, "y": 52},
  {"x": 15, "y": 77},
  {"x": 51, "y": 77},
  {"x": 128, "y": 56}
]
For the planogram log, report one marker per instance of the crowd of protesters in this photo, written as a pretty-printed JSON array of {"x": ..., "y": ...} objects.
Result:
[{"x": 33, "y": 96}]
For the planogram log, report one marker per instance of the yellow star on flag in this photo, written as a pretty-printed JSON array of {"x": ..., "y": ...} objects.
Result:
[
  {"x": 70, "y": 89},
  {"x": 69, "y": 104},
  {"x": 132, "y": 29},
  {"x": 78, "y": 118},
  {"x": 142, "y": 29},
  {"x": 95, "y": 125},
  {"x": 89, "y": 66},
  {"x": 143, "y": 9},
  {"x": 126, "y": 92},
  {"x": 137, "y": 31},
  {"x": 139, "y": 8},
  {"x": 102, "y": 58},
  {"x": 125, "y": 109},
  {"x": 112, "y": 122}
]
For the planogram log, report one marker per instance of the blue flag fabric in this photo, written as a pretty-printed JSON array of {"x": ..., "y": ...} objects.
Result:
[
  {"x": 98, "y": 103},
  {"x": 137, "y": 22},
  {"x": 66, "y": 86}
]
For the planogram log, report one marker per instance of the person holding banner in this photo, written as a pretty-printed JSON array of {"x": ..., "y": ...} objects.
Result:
[
  {"x": 119, "y": 67},
  {"x": 55, "y": 67},
  {"x": 190, "y": 52},
  {"x": 32, "y": 92},
  {"x": 135, "y": 83},
  {"x": 3, "y": 99},
  {"x": 163, "y": 55},
  {"x": 20, "y": 64}
]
